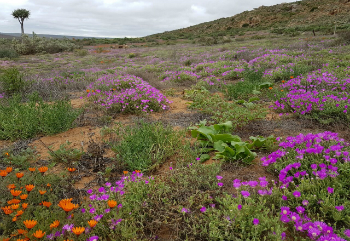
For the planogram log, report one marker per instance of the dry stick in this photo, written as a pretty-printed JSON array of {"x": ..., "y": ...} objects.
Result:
[{"x": 51, "y": 151}]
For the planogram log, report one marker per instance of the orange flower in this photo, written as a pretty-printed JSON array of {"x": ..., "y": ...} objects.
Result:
[
  {"x": 15, "y": 193},
  {"x": 15, "y": 206},
  {"x": 9, "y": 169},
  {"x": 11, "y": 186},
  {"x": 24, "y": 205},
  {"x": 49, "y": 185},
  {"x": 87, "y": 91},
  {"x": 137, "y": 171},
  {"x": 3, "y": 173},
  {"x": 42, "y": 192},
  {"x": 14, "y": 219},
  {"x": 283, "y": 81},
  {"x": 270, "y": 88},
  {"x": 19, "y": 175},
  {"x": 6, "y": 239},
  {"x": 78, "y": 230},
  {"x": 39, "y": 234},
  {"x": 66, "y": 205},
  {"x": 30, "y": 223},
  {"x": 21, "y": 239},
  {"x": 102, "y": 62},
  {"x": 47, "y": 204},
  {"x": 112, "y": 203},
  {"x": 281, "y": 90},
  {"x": 71, "y": 169},
  {"x": 43, "y": 169},
  {"x": 54, "y": 224},
  {"x": 29, "y": 187},
  {"x": 19, "y": 213},
  {"x": 23, "y": 196},
  {"x": 7, "y": 210},
  {"x": 7, "y": 154},
  {"x": 13, "y": 201},
  {"x": 125, "y": 172},
  {"x": 32, "y": 169},
  {"x": 292, "y": 77},
  {"x": 92, "y": 223},
  {"x": 21, "y": 231}
]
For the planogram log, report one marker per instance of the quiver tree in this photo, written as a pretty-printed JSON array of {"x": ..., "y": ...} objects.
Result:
[{"x": 21, "y": 14}]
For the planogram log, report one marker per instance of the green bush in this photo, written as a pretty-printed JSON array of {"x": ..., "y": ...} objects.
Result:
[
  {"x": 25, "y": 120},
  {"x": 147, "y": 145},
  {"x": 8, "y": 53},
  {"x": 12, "y": 81},
  {"x": 35, "y": 44}
]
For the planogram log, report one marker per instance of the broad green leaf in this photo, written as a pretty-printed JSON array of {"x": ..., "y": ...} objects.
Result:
[{"x": 204, "y": 157}]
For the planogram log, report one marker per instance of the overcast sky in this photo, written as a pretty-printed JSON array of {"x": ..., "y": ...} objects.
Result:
[{"x": 118, "y": 18}]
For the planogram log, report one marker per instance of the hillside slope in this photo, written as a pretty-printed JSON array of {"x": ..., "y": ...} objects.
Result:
[{"x": 300, "y": 14}]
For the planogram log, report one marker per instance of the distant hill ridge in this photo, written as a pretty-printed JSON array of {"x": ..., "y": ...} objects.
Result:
[
  {"x": 12, "y": 35},
  {"x": 296, "y": 14}
]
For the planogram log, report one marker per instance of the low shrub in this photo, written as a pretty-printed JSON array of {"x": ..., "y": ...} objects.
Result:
[
  {"x": 25, "y": 120},
  {"x": 12, "y": 81},
  {"x": 8, "y": 53},
  {"x": 145, "y": 146}
]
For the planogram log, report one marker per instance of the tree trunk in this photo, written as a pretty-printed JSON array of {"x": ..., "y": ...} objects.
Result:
[{"x": 22, "y": 28}]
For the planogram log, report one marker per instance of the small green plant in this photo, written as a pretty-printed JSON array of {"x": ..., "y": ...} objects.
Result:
[
  {"x": 66, "y": 154},
  {"x": 8, "y": 53},
  {"x": 147, "y": 145},
  {"x": 19, "y": 160},
  {"x": 25, "y": 120},
  {"x": 132, "y": 55},
  {"x": 12, "y": 81},
  {"x": 227, "y": 146},
  {"x": 81, "y": 52}
]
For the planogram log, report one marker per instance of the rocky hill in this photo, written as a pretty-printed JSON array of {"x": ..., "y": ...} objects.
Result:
[{"x": 304, "y": 14}]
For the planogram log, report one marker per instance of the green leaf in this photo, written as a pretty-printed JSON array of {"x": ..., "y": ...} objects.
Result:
[{"x": 204, "y": 157}]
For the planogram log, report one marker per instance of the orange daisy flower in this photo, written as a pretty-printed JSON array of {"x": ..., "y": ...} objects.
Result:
[
  {"x": 92, "y": 223},
  {"x": 11, "y": 186},
  {"x": 43, "y": 169},
  {"x": 137, "y": 171},
  {"x": 21, "y": 231},
  {"x": 112, "y": 203},
  {"x": 3, "y": 173},
  {"x": 19, "y": 213},
  {"x": 125, "y": 172},
  {"x": 14, "y": 219},
  {"x": 87, "y": 91},
  {"x": 9, "y": 169},
  {"x": 66, "y": 205},
  {"x": 15, "y": 193},
  {"x": 270, "y": 88},
  {"x": 15, "y": 206},
  {"x": 42, "y": 192},
  {"x": 30, "y": 223},
  {"x": 7, "y": 210},
  {"x": 39, "y": 234},
  {"x": 292, "y": 77},
  {"x": 23, "y": 196},
  {"x": 24, "y": 205},
  {"x": 13, "y": 201},
  {"x": 71, "y": 169},
  {"x": 47, "y": 204},
  {"x": 78, "y": 230},
  {"x": 19, "y": 175},
  {"x": 29, "y": 187},
  {"x": 55, "y": 224},
  {"x": 283, "y": 81},
  {"x": 32, "y": 169}
]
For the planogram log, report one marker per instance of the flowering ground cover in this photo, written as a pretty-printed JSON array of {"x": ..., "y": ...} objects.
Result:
[{"x": 144, "y": 177}]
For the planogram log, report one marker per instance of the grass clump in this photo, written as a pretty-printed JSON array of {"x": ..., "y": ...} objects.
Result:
[
  {"x": 8, "y": 53},
  {"x": 223, "y": 111},
  {"x": 147, "y": 145},
  {"x": 12, "y": 81},
  {"x": 25, "y": 120}
]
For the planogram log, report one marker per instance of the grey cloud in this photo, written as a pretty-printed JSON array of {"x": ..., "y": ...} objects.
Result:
[{"x": 122, "y": 18}]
